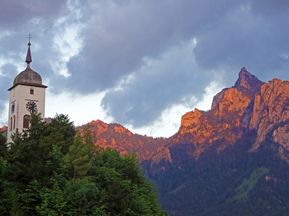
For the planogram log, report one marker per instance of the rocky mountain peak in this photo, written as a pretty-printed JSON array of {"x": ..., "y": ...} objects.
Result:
[
  {"x": 247, "y": 82},
  {"x": 270, "y": 108},
  {"x": 247, "y": 85},
  {"x": 248, "y": 106}
]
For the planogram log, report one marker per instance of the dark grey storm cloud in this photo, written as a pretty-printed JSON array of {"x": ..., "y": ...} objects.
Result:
[
  {"x": 119, "y": 36},
  {"x": 243, "y": 37},
  {"x": 269, "y": 7},
  {"x": 123, "y": 35},
  {"x": 161, "y": 84},
  {"x": 150, "y": 41},
  {"x": 14, "y": 13}
]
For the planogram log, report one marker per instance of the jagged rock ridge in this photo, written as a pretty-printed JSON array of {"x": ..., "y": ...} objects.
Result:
[
  {"x": 115, "y": 136},
  {"x": 247, "y": 83},
  {"x": 249, "y": 105}
]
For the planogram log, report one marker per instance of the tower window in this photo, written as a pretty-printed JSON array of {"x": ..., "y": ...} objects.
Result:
[
  {"x": 14, "y": 121},
  {"x": 11, "y": 123},
  {"x": 32, "y": 91},
  {"x": 13, "y": 107},
  {"x": 26, "y": 120}
]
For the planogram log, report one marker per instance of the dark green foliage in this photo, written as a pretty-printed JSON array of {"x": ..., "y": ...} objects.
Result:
[
  {"x": 119, "y": 179},
  {"x": 48, "y": 170},
  {"x": 3, "y": 146}
]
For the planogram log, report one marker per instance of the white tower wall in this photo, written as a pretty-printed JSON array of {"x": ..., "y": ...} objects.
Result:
[{"x": 19, "y": 96}]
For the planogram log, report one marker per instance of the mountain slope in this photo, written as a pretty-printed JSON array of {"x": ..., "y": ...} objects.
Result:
[
  {"x": 115, "y": 136},
  {"x": 230, "y": 160}
]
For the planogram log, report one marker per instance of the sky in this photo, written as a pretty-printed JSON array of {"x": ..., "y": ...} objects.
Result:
[{"x": 140, "y": 63}]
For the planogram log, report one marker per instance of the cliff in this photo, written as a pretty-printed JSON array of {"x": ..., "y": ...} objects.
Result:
[{"x": 250, "y": 105}]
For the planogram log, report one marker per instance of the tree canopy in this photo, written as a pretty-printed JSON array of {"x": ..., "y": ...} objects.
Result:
[{"x": 50, "y": 170}]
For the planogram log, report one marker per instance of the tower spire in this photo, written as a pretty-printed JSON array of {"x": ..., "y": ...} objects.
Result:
[{"x": 28, "y": 55}]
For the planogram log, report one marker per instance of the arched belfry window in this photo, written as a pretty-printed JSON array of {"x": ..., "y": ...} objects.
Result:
[{"x": 26, "y": 120}]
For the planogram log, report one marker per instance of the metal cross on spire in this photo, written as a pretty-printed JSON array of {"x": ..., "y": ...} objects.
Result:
[
  {"x": 29, "y": 39},
  {"x": 28, "y": 55}
]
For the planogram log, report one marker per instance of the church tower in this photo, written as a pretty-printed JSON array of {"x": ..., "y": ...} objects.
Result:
[{"x": 26, "y": 95}]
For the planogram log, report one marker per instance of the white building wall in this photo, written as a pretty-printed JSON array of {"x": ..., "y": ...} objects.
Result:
[{"x": 20, "y": 95}]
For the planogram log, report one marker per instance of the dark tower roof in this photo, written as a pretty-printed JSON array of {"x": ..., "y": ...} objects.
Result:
[
  {"x": 28, "y": 76},
  {"x": 28, "y": 55}
]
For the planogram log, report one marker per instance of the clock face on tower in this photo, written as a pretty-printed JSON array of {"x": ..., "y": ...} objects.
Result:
[{"x": 31, "y": 106}]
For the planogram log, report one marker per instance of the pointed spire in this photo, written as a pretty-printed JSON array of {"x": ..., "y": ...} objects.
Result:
[{"x": 28, "y": 55}]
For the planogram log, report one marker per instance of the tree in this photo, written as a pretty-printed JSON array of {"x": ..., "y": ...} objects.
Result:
[
  {"x": 125, "y": 189},
  {"x": 49, "y": 170},
  {"x": 79, "y": 158},
  {"x": 3, "y": 146}
]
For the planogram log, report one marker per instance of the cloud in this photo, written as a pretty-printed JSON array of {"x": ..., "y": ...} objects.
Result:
[
  {"x": 14, "y": 13},
  {"x": 158, "y": 84},
  {"x": 271, "y": 8},
  {"x": 67, "y": 41},
  {"x": 173, "y": 78},
  {"x": 142, "y": 53},
  {"x": 80, "y": 108},
  {"x": 4, "y": 114},
  {"x": 118, "y": 35},
  {"x": 168, "y": 122},
  {"x": 247, "y": 38}
]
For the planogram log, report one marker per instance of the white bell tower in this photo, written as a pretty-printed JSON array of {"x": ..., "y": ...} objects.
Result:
[{"x": 26, "y": 95}]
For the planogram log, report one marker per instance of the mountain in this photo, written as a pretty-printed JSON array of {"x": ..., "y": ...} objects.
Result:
[
  {"x": 117, "y": 137},
  {"x": 230, "y": 160}
]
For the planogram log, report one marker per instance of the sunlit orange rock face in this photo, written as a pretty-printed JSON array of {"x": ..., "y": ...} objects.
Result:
[
  {"x": 224, "y": 116},
  {"x": 115, "y": 136},
  {"x": 225, "y": 121},
  {"x": 249, "y": 105},
  {"x": 271, "y": 107}
]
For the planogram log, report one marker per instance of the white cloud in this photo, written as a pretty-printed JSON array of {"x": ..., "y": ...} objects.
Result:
[
  {"x": 4, "y": 115},
  {"x": 4, "y": 34},
  {"x": 80, "y": 108},
  {"x": 210, "y": 91},
  {"x": 67, "y": 40},
  {"x": 166, "y": 125}
]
